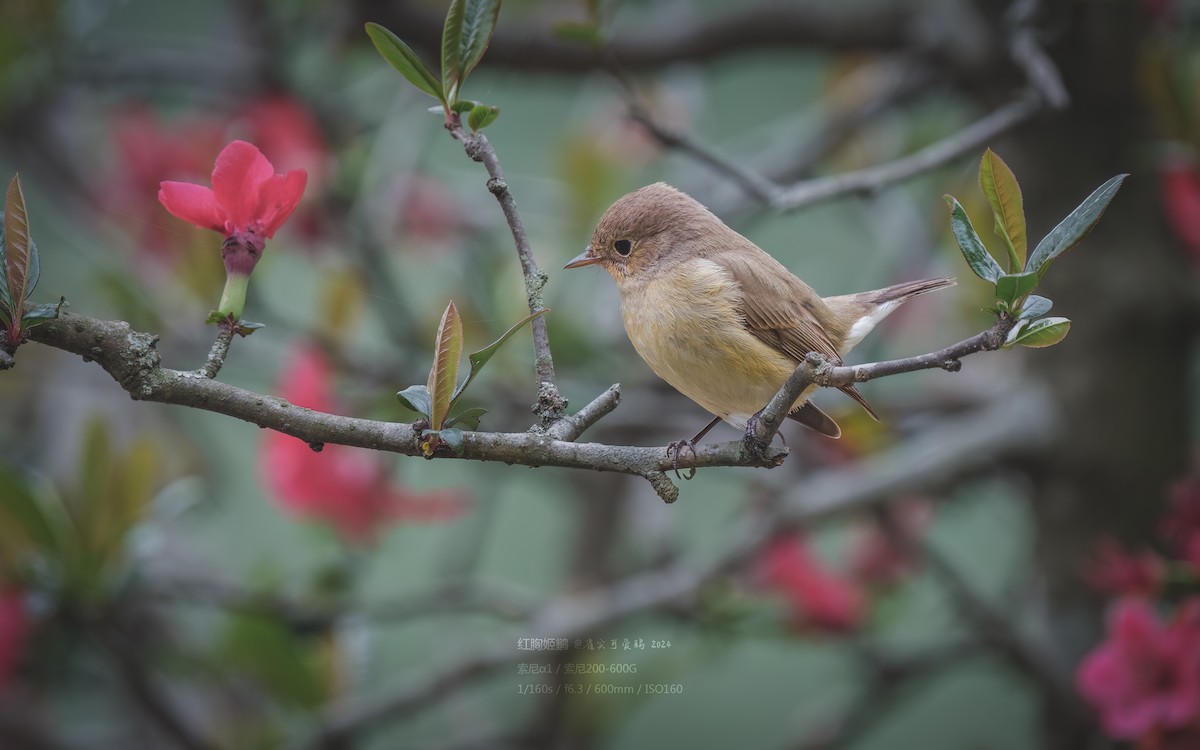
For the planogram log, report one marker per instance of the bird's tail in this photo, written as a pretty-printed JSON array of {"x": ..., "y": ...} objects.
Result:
[
  {"x": 903, "y": 292},
  {"x": 866, "y": 309}
]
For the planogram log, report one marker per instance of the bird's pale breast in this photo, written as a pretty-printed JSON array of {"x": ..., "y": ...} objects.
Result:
[{"x": 685, "y": 324}]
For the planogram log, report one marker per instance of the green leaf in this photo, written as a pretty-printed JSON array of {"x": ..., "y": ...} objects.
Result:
[
  {"x": 1013, "y": 333},
  {"x": 21, "y": 508},
  {"x": 1014, "y": 287},
  {"x": 481, "y": 357},
  {"x": 481, "y": 116},
  {"x": 443, "y": 376},
  {"x": 585, "y": 32},
  {"x": 1034, "y": 307},
  {"x": 401, "y": 57},
  {"x": 454, "y": 438},
  {"x": 1002, "y": 191},
  {"x": 463, "y": 105},
  {"x": 41, "y": 313},
  {"x": 246, "y": 327},
  {"x": 273, "y": 655},
  {"x": 416, "y": 398},
  {"x": 468, "y": 418},
  {"x": 465, "y": 37},
  {"x": 1075, "y": 227},
  {"x": 983, "y": 264},
  {"x": 1042, "y": 333},
  {"x": 17, "y": 248}
]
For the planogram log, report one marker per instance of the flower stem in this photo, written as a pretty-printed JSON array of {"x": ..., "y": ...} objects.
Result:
[{"x": 233, "y": 298}]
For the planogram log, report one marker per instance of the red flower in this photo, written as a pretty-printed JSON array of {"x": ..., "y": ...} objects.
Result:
[
  {"x": 14, "y": 628},
  {"x": 1115, "y": 572},
  {"x": 287, "y": 132},
  {"x": 1180, "y": 185},
  {"x": 147, "y": 150},
  {"x": 1145, "y": 678},
  {"x": 818, "y": 597},
  {"x": 428, "y": 210},
  {"x": 348, "y": 488},
  {"x": 248, "y": 203},
  {"x": 876, "y": 557}
]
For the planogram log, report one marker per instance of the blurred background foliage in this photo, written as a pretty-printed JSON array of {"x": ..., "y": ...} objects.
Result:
[{"x": 175, "y": 578}]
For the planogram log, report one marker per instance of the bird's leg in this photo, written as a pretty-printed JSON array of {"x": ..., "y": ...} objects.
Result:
[
  {"x": 756, "y": 447},
  {"x": 676, "y": 448}
]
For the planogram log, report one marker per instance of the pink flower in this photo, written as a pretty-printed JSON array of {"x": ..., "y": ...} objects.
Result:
[
  {"x": 14, "y": 629},
  {"x": 147, "y": 150},
  {"x": 1180, "y": 185},
  {"x": 428, "y": 210},
  {"x": 348, "y": 488},
  {"x": 817, "y": 597},
  {"x": 1145, "y": 678},
  {"x": 1116, "y": 572},
  {"x": 287, "y": 132},
  {"x": 248, "y": 203}
]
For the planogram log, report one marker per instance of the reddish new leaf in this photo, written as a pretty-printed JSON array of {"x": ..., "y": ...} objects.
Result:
[
  {"x": 443, "y": 376},
  {"x": 1004, "y": 194},
  {"x": 16, "y": 246}
]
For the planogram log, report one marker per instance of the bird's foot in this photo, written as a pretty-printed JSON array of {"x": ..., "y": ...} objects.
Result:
[
  {"x": 675, "y": 451},
  {"x": 759, "y": 449}
]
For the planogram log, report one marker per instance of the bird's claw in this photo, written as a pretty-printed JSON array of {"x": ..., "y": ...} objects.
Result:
[
  {"x": 758, "y": 449},
  {"x": 675, "y": 450}
]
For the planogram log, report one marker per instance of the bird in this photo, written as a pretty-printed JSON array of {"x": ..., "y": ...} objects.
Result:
[{"x": 720, "y": 319}]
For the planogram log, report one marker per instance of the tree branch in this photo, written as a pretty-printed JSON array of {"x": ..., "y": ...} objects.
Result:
[
  {"x": 550, "y": 404},
  {"x": 811, "y": 25},
  {"x": 128, "y": 665},
  {"x": 219, "y": 351},
  {"x": 872, "y": 179},
  {"x": 131, "y": 358},
  {"x": 960, "y": 143}
]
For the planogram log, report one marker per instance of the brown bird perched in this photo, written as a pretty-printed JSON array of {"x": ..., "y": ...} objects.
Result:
[{"x": 719, "y": 319}]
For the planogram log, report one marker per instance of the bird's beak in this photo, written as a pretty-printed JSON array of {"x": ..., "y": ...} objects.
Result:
[{"x": 583, "y": 259}]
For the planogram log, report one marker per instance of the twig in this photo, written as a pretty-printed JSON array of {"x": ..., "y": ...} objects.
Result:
[
  {"x": 997, "y": 628},
  {"x": 949, "y": 359},
  {"x": 219, "y": 350},
  {"x": 129, "y": 667},
  {"x": 551, "y": 406},
  {"x": 131, "y": 359},
  {"x": 889, "y": 677},
  {"x": 949, "y": 148},
  {"x": 872, "y": 179},
  {"x": 1012, "y": 426},
  {"x": 757, "y": 186},
  {"x": 817, "y": 370},
  {"x": 905, "y": 79},
  {"x": 448, "y": 598},
  {"x": 1029, "y": 55},
  {"x": 570, "y": 428},
  {"x": 809, "y": 25}
]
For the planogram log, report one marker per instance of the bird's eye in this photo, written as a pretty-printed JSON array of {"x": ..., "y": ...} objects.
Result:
[{"x": 623, "y": 247}]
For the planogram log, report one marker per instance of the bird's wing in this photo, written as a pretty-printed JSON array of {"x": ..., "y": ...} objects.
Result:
[{"x": 775, "y": 307}]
